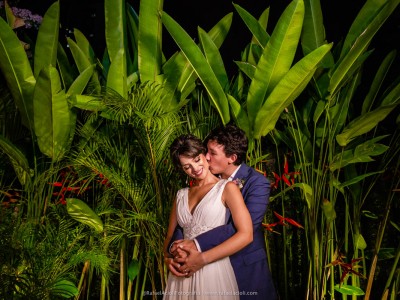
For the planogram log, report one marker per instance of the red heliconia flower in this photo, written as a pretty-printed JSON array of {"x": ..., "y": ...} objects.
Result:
[
  {"x": 282, "y": 221},
  {"x": 287, "y": 177},
  {"x": 347, "y": 268},
  {"x": 269, "y": 227},
  {"x": 65, "y": 186}
]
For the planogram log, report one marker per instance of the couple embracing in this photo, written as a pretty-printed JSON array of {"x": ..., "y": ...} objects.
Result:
[{"x": 215, "y": 246}]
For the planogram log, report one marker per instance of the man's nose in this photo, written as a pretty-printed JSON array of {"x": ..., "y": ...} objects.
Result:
[{"x": 208, "y": 156}]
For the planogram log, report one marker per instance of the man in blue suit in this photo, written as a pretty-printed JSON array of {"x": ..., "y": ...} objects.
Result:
[{"x": 227, "y": 148}]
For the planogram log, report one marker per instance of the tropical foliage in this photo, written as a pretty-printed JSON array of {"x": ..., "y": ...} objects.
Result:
[{"x": 86, "y": 181}]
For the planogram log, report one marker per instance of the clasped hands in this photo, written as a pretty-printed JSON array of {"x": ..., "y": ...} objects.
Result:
[{"x": 185, "y": 259}]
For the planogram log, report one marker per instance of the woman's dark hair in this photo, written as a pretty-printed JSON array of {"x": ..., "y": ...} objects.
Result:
[
  {"x": 233, "y": 139},
  {"x": 186, "y": 145}
]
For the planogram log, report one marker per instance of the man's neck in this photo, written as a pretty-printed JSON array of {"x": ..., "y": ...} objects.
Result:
[{"x": 229, "y": 171}]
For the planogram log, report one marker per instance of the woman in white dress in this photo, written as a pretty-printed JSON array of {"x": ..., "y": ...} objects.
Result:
[{"x": 200, "y": 208}]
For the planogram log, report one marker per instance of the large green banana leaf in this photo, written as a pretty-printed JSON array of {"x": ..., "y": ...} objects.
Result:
[
  {"x": 83, "y": 62},
  {"x": 377, "y": 82},
  {"x": 363, "y": 124},
  {"x": 78, "y": 86},
  {"x": 287, "y": 90},
  {"x": 132, "y": 21},
  {"x": 84, "y": 45},
  {"x": 361, "y": 42},
  {"x": 200, "y": 66},
  {"x": 214, "y": 58},
  {"x": 15, "y": 66},
  {"x": 361, "y": 153},
  {"x": 52, "y": 116},
  {"x": 67, "y": 72},
  {"x": 313, "y": 32},
  {"x": 115, "y": 23},
  {"x": 114, "y": 11},
  {"x": 47, "y": 39},
  {"x": 179, "y": 75},
  {"x": 259, "y": 33},
  {"x": 150, "y": 39},
  {"x": 277, "y": 57}
]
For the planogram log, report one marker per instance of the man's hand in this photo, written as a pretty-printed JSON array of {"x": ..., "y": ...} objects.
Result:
[
  {"x": 173, "y": 267},
  {"x": 194, "y": 261},
  {"x": 187, "y": 244}
]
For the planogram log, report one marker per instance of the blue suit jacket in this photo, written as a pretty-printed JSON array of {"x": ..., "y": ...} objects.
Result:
[{"x": 250, "y": 264}]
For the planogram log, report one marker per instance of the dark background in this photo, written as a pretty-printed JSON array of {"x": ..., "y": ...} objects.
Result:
[{"x": 88, "y": 16}]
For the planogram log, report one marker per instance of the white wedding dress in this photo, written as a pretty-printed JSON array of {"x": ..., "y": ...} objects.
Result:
[{"x": 213, "y": 281}]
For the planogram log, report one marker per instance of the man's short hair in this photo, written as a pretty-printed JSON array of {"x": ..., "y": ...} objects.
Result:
[{"x": 233, "y": 139}]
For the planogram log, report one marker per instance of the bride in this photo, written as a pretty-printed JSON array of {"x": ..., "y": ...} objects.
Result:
[{"x": 197, "y": 209}]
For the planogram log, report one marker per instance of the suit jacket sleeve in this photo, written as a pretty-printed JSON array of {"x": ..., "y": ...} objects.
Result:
[
  {"x": 178, "y": 235},
  {"x": 255, "y": 193}
]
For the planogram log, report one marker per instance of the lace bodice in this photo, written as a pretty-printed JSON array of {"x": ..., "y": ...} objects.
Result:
[{"x": 208, "y": 214}]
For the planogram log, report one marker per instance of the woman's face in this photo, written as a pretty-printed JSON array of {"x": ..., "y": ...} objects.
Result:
[{"x": 196, "y": 167}]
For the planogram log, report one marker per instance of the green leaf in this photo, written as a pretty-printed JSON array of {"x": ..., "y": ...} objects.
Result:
[
  {"x": 359, "y": 242},
  {"x": 363, "y": 124},
  {"x": 78, "y": 86},
  {"x": 354, "y": 47},
  {"x": 132, "y": 22},
  {"x": 150, "y": 39},
  {"x": 392, "y": 97},
  {"x": 377, "y": 82},
  {"x": 307, "y": 193},
  {"x": 287, "y": 90},
  {"x": 239, "y": 114},
  {"x": 329, "y": 210},
  {"x": 47, "y": 39},
  {"x": 277, "y": 57},
  {"x": 82, "y": 213},
  {"x": 17, "y": 158},
  {"x": 246, "y": 68},
  {"x": 84, "y": 45},
  {"x": 395, "y": 225},
  {"x": 369, "y": 214},
  {"x": 114, "y": 11},
  {"x": 362, "y": 153},
  {"x": 349, "y": 290},
  {"x": 64, "y": 288},
  {"x": 384, "y": 254},
  {"x": 67, "y": 73},
  {"x": 259, "y": 33},
  {"x": 9, "y": 15},
  {"x": 15, "y": 66},
  {"x": 214, "y": 58},
  {"x": 88, "y": 103},
  {"x": 200, "y": 66},
  {"x": 178, "y": 72},
  {"x": 358, "y": 179},
  {"x": 52, "y": 116},
  {"x": 83, "y": 62},
  {"x": 116, "y": 77},
  {"x": 133, "y": 269},
  {"x": 313, "y": 35}
]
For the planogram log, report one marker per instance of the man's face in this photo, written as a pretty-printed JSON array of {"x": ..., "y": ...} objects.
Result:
[{"x": 218, "y": 161}]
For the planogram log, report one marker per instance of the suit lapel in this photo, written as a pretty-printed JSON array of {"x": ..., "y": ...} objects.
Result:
[{"x": 243, "y": 172}]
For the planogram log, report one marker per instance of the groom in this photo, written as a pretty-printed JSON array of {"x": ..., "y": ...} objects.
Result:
[{"x": 227, "y": 148}]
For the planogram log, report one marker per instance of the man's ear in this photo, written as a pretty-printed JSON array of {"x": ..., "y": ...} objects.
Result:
[{"x": 232, "y": 159}]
